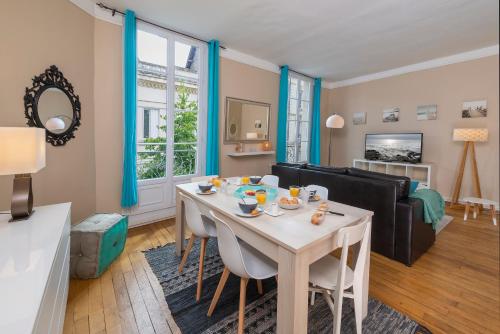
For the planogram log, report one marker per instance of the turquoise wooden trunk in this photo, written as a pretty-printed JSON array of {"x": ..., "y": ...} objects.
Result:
[{"x": 95, "y": 243}]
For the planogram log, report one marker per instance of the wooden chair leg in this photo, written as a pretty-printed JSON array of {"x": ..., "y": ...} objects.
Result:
[
  {"x": 200, "y": 269},
  {"x": 476, "y": 210},
  {"x": 467, "y": 208},
  {"x": 493, "y": 214},
  {"x": 241, "y": 312},
  {"x": 218, "y": 291},
  {"x": 186, "y": 252},
  {"x": 259, "y": 287}
]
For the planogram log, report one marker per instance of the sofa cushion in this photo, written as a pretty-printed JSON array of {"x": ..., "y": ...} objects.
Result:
[
  {"x": 327, "y": 169},
  {"x": 403, "y": 182}
]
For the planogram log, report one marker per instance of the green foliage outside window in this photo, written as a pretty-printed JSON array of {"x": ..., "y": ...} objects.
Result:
[{"x": 153, "y": 159}]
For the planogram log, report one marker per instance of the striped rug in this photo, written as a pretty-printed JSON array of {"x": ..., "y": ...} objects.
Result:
[{"x": 260, "y": 313}]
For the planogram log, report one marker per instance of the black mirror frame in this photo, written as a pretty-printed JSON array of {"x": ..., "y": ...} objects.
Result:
[{"x": 51, "y": 78}]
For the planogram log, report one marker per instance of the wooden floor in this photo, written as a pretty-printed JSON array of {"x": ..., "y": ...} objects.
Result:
[{"x": 453, "y": 288}]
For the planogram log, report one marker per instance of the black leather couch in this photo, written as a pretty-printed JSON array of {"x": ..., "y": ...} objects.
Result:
[{"x": 398, "y": 229}]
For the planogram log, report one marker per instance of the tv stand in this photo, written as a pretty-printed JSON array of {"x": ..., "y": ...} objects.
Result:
[{"x": 416, "y": 172}]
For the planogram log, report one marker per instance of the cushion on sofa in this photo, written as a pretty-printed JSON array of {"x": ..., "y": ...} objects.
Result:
[
  {"x": 402, "y": 181},
  {"x": 327, "y": 169}
]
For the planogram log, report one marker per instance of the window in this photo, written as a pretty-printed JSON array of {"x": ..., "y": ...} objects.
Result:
[
  {"x": 299, "y": 118},
  {"x": 170, "y": 105}
]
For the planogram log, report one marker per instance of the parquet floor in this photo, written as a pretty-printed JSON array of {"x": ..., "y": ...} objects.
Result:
[{"x": 453, "y": 288}]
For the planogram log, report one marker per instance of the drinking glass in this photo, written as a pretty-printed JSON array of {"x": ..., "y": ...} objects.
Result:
[
  {"x": 217, "y": 183},
  {"x": 245, "y": 180},
  {"x": 260, "y": 196},
  {"x": 294, "y": 191}
]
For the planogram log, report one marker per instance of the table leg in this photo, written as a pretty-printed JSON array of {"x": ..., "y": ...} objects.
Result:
[
  {"x": 179, "y": 224},
  {"x": 293, "y": 286},
  {"x": 493, "y": 214},
  {"x": 467, "y": 208}
]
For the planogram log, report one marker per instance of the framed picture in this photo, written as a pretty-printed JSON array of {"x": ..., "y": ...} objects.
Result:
[
  {"x": 427, "y": 112},
  {"x": 359, "y": 118},
  {"x": 472, "y": 109},
  {"x": 390, "y": 115}
]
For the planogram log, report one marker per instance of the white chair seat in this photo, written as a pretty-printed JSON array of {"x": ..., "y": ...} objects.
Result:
[
  {"x": 323, "y": 273},
  {"x": 257, "y": 264}
]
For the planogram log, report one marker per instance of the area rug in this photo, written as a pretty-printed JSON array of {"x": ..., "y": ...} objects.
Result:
[{"x": 260, "y": 314}]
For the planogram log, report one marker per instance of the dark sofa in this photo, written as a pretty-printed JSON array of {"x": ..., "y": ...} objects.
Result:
[{"x": 398, "y": 229}]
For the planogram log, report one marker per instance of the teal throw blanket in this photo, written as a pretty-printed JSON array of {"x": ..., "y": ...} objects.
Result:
[{"x": 433, "y": 205}]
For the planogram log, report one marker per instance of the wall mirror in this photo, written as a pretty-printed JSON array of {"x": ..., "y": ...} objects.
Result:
[
  {"x": 52, "y": 104},
  {"x": 246, "y": 121}
]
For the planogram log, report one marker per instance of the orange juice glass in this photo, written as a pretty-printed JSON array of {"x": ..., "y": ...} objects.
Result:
[
  {"x": 245, "y": 180},
  {"x": 260, "y": 196},
  {"x": 294, "y": 191},
  {"x": 217, "y": 182}
]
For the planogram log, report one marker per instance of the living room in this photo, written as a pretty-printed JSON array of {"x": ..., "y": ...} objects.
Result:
[{"x": 390, "y": 110}]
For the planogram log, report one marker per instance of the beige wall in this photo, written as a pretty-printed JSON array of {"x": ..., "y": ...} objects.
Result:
[
  {"x": 447, "y": 87},
  {"x": 35, "y": 35}
]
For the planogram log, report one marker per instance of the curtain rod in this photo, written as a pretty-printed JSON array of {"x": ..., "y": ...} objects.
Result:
[
  {"x": 303, "y": 74},
  {"x": 114, "y": 11}
]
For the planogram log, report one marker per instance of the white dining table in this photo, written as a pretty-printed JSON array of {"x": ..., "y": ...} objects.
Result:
[{"x": 290, "y": 240}]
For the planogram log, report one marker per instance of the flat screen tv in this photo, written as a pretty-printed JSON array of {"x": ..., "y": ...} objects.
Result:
[{"x": 394, "y": 147}]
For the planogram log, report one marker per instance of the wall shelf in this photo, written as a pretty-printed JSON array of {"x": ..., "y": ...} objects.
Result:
[
  {"x": 248, "y": 154},
  {"x": 417, "y": 172}
]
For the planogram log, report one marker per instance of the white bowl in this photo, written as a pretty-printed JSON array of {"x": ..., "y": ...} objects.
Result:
[{"x": 290, "y": 206}]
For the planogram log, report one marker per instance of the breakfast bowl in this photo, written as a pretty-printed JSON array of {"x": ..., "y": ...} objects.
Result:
[
  {"x": 247, "y": 205},
  {"x": 255, "y": 179},
  {"x": 205, "y": 186}
]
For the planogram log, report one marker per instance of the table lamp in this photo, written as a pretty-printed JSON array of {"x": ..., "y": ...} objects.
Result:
[
  {"x": 22, "y": 152},
  {"x": 333, "y": 122},
  {"x": 469, "y": 137}
]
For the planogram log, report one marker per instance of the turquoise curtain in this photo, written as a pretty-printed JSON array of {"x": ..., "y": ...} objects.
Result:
[
  {"x": 315, "y": 143},
  {"x": 282, "y": 116},
  {"x": 212, "y": 161},
  {"x": 129, "y": 182}
]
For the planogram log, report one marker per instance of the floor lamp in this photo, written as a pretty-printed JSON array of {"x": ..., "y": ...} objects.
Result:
[
  {"x": 333, "y": 122},
  {"x": 469, "y": 137}
]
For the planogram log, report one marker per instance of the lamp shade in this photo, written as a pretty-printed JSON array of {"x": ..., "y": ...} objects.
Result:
[
  {"x": 22, "y": 150},
  {"x": 470, "y": 134},
  {"x": 54, "y": 124},
  {"x": 335, "y": 121}
]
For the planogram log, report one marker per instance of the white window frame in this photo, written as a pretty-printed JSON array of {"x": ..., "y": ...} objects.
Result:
[
  {"x": 170, "y": 105},
  {"x": 298, "y": 139}
]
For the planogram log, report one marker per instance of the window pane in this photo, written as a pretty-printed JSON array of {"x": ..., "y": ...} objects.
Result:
[
  {"x": 290, "y": 153},
  {"x": 304, "y": 130},
  {"x": 305, "y": 108},
  {"x": 304, "y": 151},
  {"x": 186, "y": 108},
  {"x": 305, "y": 87},
  {"x": 293, "y": 88},
  {"x": 292, "y": 131},
  {"x": 151, "y": 105},
  {"x": 292, "y": 112}
]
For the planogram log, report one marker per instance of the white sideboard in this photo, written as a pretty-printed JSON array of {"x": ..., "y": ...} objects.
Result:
[
  {"x": 34, "y": 271},
  {"x": 418, "y": 172}
]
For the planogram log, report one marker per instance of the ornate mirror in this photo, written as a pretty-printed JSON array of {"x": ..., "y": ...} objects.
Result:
[{"x": 52, "y": 104}]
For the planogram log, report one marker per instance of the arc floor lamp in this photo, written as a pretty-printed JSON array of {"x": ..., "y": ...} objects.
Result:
[{"x": 333, "y": 122}]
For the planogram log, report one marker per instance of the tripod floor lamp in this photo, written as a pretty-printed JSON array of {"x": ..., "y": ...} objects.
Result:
[
  {"x": 469, "y": 137},
  {"x": 333, "y": 122}
]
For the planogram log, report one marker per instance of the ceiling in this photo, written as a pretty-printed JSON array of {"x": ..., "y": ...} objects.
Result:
[{"x": 332, "y": 39}]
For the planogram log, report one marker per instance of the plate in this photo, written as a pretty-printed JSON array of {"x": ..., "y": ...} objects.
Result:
[
  {"x": 314, "y": 198},
  {"x": 199, "y": 192},
  {"x": 290, "y": 206},
  {"x": 268, "y": 212},
  {"x": 248, "y": 215}
]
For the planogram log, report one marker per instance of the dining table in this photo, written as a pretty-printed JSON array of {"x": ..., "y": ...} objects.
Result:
[{"x": 291, "y": 240}]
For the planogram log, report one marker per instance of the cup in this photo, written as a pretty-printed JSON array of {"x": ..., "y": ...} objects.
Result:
[
  {"x": 245, "y": 180},
  {"x": 294, "y": 191},
  {"x": 260, "y": 196},
  {"x": 274, "y": 209},
  {"x": 217, "y": 182}
]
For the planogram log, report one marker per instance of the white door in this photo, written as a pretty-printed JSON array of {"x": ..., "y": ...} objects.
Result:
[{"x": 171, "y": 109}]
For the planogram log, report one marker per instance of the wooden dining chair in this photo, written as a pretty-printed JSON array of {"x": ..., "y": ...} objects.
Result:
[
  {"x": 270, "y": 180},
  {"x": 320, "y": 190},
  {"x": 200, "y": 228},
  {"x": 242, "y": 260},
  {"x": 331, "y": 276}
]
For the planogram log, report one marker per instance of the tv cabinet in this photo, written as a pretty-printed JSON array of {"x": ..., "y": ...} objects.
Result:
[{"x": 416, "y": 172}]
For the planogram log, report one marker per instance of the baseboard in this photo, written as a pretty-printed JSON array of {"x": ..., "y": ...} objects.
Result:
[{"x": 150, "y": 217}]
